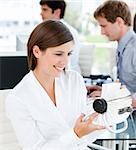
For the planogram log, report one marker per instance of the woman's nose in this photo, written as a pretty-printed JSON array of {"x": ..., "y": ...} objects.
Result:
[{"x": 65, "y": 59}]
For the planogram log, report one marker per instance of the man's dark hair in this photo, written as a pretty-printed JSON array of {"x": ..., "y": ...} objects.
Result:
[
  {"x": 56, "y": 4},
  {"x": 112, "y": 9},
  {"x": 134, "y": 23}
]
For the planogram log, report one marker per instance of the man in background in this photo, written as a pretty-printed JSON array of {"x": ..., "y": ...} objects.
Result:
[
  {"x": 52, "y": 9},
  {"x": 114, "y": 18},
  {"x": 134, "y": 23}
]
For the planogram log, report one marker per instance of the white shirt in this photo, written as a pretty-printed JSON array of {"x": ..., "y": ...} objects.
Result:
[
  {"x": 38, "y": 124},
  {"x": 74, "y": 65}
]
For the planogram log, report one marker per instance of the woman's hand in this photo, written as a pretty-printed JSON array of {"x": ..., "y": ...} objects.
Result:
[{"x": 85, "y": 127}]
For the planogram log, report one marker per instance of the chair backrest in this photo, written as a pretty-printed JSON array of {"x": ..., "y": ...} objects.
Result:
[
  {"x": 86, "y": 58},
  {"x": 8, "y": 139}
]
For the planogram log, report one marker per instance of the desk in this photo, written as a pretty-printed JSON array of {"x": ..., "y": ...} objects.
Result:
[{"x": 122, "y": 141}]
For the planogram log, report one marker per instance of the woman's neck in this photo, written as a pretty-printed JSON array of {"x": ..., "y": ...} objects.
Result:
[{"x": 48, "y": 84}]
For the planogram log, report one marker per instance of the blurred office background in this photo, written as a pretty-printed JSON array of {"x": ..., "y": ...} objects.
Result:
[{"x": 19, "y": 17}]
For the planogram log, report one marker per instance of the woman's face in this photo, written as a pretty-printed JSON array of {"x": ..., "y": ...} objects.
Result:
[{"x": 52, "y": 61}]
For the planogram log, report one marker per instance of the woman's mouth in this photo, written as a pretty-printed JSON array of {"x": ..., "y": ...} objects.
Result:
[{"x": 59, "y": 68}]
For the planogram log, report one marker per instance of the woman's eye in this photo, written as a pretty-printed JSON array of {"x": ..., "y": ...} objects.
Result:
[
  {"x": 69, "y": 53},
  {"x": 58, "y": 54}
]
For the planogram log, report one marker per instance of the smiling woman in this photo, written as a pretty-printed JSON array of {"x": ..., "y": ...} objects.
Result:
[
  {"x": 50, "y": 103},
  {"x": 40, "y": 41},
  {"x": 54, "y": 60}
]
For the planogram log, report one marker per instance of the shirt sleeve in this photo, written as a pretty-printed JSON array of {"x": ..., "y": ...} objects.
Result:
[
  {"x": 134, "y": 58},
  {"x": 27, "y": 131},
  {"x": 76, "y": 49},
  {"x": 134, "y": 95}
]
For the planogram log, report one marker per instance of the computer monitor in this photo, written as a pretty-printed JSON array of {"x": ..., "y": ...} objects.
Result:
[{"x": 13, "y": 67}]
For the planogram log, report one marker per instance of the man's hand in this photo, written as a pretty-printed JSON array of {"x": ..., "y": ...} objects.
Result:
[
  {"x": 95, "y": 94},
  {"x": 133, "y": 102},
  {"x": 94, "y": 90}
]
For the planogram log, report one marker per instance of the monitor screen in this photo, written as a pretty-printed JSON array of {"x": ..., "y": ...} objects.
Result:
[{"x": 12, "y": 70}]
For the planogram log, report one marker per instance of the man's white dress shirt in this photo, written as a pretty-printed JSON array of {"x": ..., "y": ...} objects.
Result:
[{"x": 74, "y": 59}]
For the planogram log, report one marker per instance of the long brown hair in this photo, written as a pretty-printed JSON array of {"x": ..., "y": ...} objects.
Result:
[{"x": 47, "y": 34}]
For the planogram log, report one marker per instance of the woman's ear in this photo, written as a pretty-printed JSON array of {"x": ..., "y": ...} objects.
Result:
[{"x": 36, "y": 51}]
